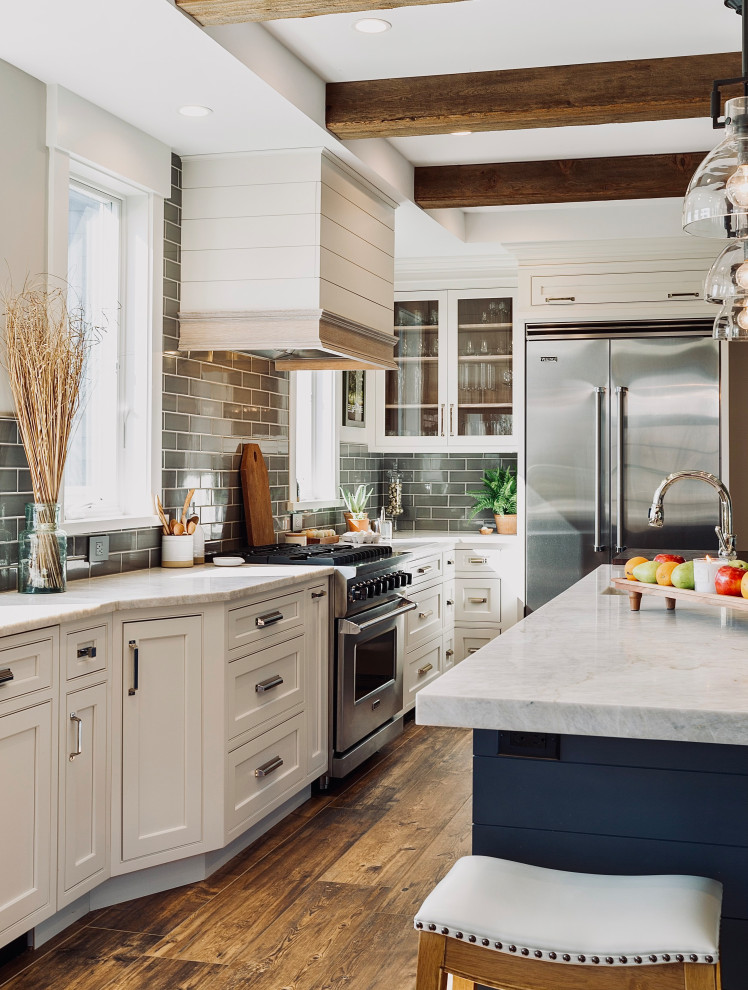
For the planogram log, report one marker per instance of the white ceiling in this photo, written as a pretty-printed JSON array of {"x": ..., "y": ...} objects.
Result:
[
  {"x": 479, "y": 35},
  {"x": 143, "y": 59}
]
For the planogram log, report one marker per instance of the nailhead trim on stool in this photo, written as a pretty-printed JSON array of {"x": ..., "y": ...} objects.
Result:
[{"x": 666, "y": 957}]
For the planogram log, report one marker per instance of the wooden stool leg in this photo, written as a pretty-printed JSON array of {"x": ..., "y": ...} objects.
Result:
[
  {"x": 460, "y": 983},
  {"x": 701, "y": 977},
  {"x": 430, "y": 975}
]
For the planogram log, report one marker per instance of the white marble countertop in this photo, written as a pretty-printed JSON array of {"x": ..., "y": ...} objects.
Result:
[
  {"x": 416, "y": 538},
  {"x": 157, "y": 587},
  {"x": 584, "y": 664}
]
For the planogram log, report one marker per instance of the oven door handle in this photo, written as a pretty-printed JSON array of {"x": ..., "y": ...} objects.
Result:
[{"x": 348, "y": 628}]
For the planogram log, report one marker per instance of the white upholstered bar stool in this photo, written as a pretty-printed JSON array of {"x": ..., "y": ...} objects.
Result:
[{"x": 509, "y": 925}]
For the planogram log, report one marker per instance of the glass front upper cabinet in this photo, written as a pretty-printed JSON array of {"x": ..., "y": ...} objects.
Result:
[
  {"x": 484, "y": 363},
  {"x": 412, "y": 403}
]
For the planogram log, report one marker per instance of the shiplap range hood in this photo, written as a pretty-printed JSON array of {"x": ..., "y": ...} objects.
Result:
[{"x": 289, "y": 255}]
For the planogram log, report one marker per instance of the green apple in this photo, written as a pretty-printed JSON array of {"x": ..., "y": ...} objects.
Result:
[
  {"x": 738, "y": 563},
  {"x": 682, "y": 576},
  {"x": 647, "y": 573}
]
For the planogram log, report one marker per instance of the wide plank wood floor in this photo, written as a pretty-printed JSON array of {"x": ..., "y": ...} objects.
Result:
[{"x": 323, "y": 901}]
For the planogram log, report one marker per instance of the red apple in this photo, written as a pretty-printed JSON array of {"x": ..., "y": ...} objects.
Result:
[
  {"x": 662, "y": 558},
  {"x": 728, "y": 580}
]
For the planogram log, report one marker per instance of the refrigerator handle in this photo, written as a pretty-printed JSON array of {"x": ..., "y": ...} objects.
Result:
[
  {"x": 599, "y": 395},
  {"x": 621, "y": 391}
]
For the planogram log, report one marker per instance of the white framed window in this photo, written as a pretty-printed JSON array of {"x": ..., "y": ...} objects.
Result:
[
  {"x": 314, "y": 460},
  {"x": 108, "y": 473}
]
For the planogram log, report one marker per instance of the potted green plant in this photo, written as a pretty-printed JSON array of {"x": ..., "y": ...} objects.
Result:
[
  {"x": 498, "y": 494},
  {"x": 357, "y": 517}
]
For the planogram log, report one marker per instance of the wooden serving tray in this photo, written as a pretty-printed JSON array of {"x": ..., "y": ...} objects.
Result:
[{"x": 636, "y": 589}]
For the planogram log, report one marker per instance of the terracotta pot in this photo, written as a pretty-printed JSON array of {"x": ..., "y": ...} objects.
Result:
[
  {"x": 356, "y": 525},
  {"x": 506, "y": 525}
]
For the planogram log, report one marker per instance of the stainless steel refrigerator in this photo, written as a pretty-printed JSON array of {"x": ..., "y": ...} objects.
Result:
[{"x": 611, "y": 409}]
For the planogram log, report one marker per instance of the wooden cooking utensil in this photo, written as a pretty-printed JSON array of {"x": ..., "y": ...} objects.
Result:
[
  {"x": 258, "y": 513},
  {"x": 190, "y": 496}
]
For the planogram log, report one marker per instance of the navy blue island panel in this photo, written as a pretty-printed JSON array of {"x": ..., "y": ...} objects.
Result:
[{"x": 595, "y": 804}]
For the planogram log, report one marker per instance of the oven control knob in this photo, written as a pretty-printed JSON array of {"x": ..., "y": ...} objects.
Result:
[
  {"x": 399, "y": 579},
  {"x": 408, "y": 577},
  {"x": 391, "y": 582},
  {"x": 370, "y": 591},
  {"x": 379, "y": 586}
]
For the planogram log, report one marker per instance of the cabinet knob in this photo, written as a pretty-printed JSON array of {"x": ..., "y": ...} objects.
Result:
[{"x": 319, "y": 594}]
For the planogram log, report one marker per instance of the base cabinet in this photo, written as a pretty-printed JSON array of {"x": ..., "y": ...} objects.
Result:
[
  {"x": 83, "y": 851},
  {"x": 318, "y": 636},
  {"x": 162, "y": 733},
  {"x": 470, "y": 640},
  {"x": 26, "y": 785}
]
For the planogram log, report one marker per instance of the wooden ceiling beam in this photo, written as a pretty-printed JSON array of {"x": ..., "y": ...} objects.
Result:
[
  {"x": 209, "y": 12},
  {"x": 516, "y": 99},
  {"x": 581, "y": 180}
]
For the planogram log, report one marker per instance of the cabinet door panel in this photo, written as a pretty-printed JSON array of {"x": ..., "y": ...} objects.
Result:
[
  {"x": 29, "y": 658},
  {"x": 25, "y": 824},
  {"x": 83, "y": 849},
  {"x": 470, "y": 640},
  {"x": 479, "y": 600},
  {"x": 161, "y": 736}
]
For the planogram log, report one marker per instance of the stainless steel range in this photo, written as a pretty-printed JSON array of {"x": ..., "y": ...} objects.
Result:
[{"x": 369, "y": 603}]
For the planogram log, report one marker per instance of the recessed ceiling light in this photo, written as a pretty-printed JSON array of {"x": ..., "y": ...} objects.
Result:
[
  {"x": 460, "y": 133},
  {"x": 372, "y": 25},
  {"x": 192, "y": 110}
]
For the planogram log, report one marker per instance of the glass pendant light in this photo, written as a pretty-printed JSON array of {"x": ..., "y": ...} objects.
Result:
[
  {"x": 728, "y": 276},
  {"x": 732, "y": 321},
  {"x": 716, "y": 202}
]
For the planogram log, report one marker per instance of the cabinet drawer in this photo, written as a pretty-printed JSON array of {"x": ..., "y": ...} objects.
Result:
[
  {"x": 29, "y": 660},
  {"x": 262, "y": 769},
  {"x": 449, "y": 564},
  {"x": 426, "y": 569},
  {"x": 469, "y": 641},
  {"x": 258, "y": 622},
  {"x": 479, "y": 601},
  {"x": 86, "y": 651},
  {"x": 450, "y": 603},
  {"x": 478, "y": 561},
  {"x": 425, "y": 621},
  {"x": 423, "y": 667},
  {"x": 265, "y": 685}
]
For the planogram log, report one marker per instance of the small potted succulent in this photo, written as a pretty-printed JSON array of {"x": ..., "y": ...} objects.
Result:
[
  {"x": 357, "y": 517},
  {"x": 499, "y": 496}
]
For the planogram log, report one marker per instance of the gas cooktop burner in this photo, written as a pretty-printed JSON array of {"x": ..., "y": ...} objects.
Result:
[{"x": 325, "y": 554}]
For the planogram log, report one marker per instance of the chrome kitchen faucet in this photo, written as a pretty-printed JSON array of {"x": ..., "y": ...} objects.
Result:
[{"x": 724, "y": 531}]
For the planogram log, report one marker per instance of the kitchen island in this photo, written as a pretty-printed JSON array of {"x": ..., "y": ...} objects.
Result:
[{"x": 612, "y": 741}]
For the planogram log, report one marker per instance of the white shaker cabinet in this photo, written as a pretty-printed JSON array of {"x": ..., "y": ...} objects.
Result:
[
  {"x": 162, "y": 735},
  {"x": 84, "y": 794},
  {"x": 26, "y": 783}
]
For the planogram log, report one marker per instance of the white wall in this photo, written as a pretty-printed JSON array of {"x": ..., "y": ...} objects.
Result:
[{"x": 23, "y": 186}]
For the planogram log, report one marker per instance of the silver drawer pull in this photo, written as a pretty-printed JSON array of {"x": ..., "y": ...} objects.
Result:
[
  {"x": 425, "y": 569},
  {"x": 479, "y": 560},
  {"x": 269, "y": 684},
  {"x": 86, "y": 651},
  {"x": 319, "y": 594},
  {"x": 555, "y": 299},
  {"x": 450, "y": 653},
  {"x": 267, "y": 768},
  {"x": 6, "y": 674},
  {"x": 425, "y": 669},
  {"x": 79, "y": 736},
  {"x": 425, "y": 615},
  {"x": 478, "y": 601},
  {"x": 473, "y": 649},
  {"x": 684, "y": 295},
  {"x": 269, "y": 619}
]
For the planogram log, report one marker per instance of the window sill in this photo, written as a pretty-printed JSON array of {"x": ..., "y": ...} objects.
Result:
[
  {"x": 84, "y": 527},
  {"x": 315, "y": 506}
]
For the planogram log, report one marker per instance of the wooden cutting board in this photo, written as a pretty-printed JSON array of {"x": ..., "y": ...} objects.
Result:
[{"x": 258, "y": 514}]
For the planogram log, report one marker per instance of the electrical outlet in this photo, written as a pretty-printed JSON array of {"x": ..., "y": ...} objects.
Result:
[
  {"x": 533, "y": 745},
  {"x": 98, "y": 548}
]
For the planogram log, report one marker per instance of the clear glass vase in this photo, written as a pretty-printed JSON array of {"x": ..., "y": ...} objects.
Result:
[{"x": 42, "y": 551}]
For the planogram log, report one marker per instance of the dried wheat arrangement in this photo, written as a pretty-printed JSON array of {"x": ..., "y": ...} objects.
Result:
[{"x": 46, "y": 344}]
